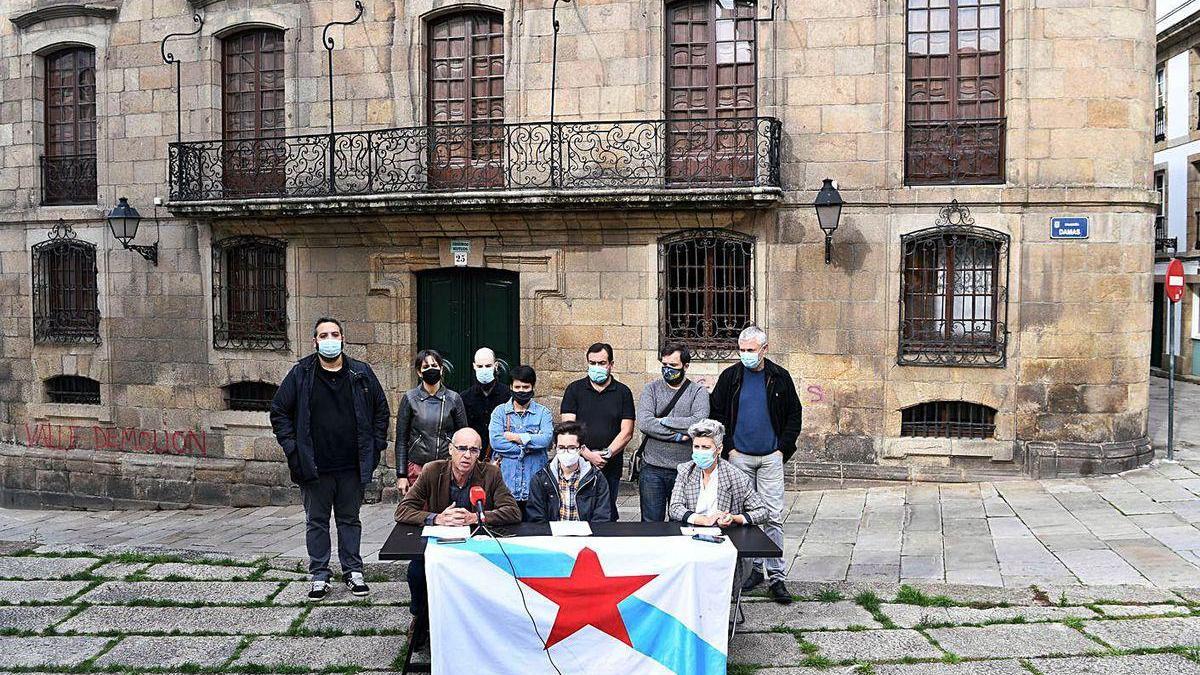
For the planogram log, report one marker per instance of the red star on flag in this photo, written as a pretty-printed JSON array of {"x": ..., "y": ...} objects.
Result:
[{"x": 587, "y": 598}]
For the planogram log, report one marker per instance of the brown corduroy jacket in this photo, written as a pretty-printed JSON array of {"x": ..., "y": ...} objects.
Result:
[{"x": 431, "y": 494}]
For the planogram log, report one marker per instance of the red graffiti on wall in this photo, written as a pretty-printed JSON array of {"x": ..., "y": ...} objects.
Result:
[
  {"x": 118, "y": 439},
  {"x": 817, "y": 392}
]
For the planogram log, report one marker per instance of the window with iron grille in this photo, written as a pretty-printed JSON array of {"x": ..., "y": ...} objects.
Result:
[
  {"x": 252, "y": 115},
  {"x": 954, "y": 294},
  {"x": 250, "y": 395},
  {"x": 69, "y": 163},
  {"x": 706, "y": 290},
  {"x": 948, "y": 419},
  {"x": 954, "y": 102},
  {"x": 72, "y": 389},
  {"x": 65, "y": 295},
  {"x": 250, "y": 293}
]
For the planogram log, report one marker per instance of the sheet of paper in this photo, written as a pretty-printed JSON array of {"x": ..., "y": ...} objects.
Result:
[
  {"x": 570, "y": 528},
  {"x": 688, "y": 530},
  {"x": 446, "y": 531}
]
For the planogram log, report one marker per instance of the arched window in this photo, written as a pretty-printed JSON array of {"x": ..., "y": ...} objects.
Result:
[
  {"x": 466, "y": 99},
  {"x": 712, "y": 92},
  {"x": 252, "y": 112},
  {"x": 954, "y": 293},
  {"x": 69, "y": 164},
  {"x": 250, "y": 395},
  {"x": 250, "y": 293},
  {"x": 706, "y": 290},
  {"x": 955, "y": 95},
  {"x": 72, "y": 389},
  {"x": 948, "y": 419},
  {"x": 65, "y": 296}
]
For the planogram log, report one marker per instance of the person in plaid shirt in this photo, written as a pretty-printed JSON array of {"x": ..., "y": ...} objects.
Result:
[{"x": 568, "y": 488}]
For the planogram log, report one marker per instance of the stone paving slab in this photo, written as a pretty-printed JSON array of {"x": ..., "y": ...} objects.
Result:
[
  {"x": 1147, "y": 633},
  {"x": 1150, "y": 664},
  {"x": 226, "y": 620},
  {"x": 1013, "y": 640},
  {"x": 765, "y": 649},
  {"x": 199, "y": 572},
  {"x": 18, "y": 592},
  {"x": 32, "y": 619},
  {"x": 382, "y": 593},
  {"x": 874, "y": 645},
  {"x": 212, "y": 592},
  {"x": 764, "y": 616},
  {"x": 28, "y": 652},
  {"x": 43, "y": 568},
  {"x": 910, "y": 616},
  {"x": 357, "y": 619},
  {"x": 1121, "y": 594},
  {"x": 118, "y": 570},
  {"x": 967, "y": 668},
  {"x": 170, "y": 652},
  {"x": 1142, "y": 610},
  {"x": 316, "y": 653}
]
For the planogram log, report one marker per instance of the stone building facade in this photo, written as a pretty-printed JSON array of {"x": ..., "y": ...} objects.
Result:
[{"x": 948, "y": 336}]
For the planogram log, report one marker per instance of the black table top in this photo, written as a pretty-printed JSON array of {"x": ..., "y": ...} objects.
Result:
[{"x": 406, "y": 543}]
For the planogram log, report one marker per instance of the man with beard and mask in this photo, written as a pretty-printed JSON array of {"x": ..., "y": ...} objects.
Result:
[
  {"x": 521, "y": 430},
  {"x": 667, "y": 407},
  {"x": 482, "y": 397},
  {"x": 330, "y": 416},
  {"x": 429, "y": 415},
  {"x": 568, "y": 487}
]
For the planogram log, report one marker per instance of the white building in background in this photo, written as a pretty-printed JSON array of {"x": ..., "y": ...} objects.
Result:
[{"x": 1177, "y": 179}]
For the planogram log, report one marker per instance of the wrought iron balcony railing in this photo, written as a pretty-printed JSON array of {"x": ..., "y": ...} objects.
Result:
[
  {"x": 1163, "y": 243},
  {"x": 70, "y": 179},
  {"x": 1160, "y": 124},
  {"x": 647, "y": 154}
]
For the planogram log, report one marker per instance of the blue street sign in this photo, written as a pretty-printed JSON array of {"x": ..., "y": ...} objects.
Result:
[{"x": 1069, "y": 228}]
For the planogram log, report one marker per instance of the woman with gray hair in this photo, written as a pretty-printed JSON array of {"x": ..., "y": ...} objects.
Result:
[{"x": 711, "y": 491}]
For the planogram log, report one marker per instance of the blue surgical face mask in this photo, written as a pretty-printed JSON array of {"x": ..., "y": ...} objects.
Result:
[
  {"x": 330, "y": 348},
  {"x": 704, "y": 458},
  {"x": 598, "y": 374},
  {"x": 750, "y": 359},
  {"x": 485, "y": 375}
]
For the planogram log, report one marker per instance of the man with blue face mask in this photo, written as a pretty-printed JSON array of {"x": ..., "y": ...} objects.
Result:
[
  {"x": 330, "y": 416},
  {"x": 484, "y": 395},
  {"x": 756, "y": 401}
]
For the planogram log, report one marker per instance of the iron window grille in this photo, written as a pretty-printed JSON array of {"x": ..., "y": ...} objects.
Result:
[
  {"x": 249, "y": 288},
  {"x": 72, "y": 389},
  {"x": 954, "y": 293},
  {"x": 706, "y": 290},
  {"x": 948, "y": 419},
  {"x": 65, "y": 293},
  {"x": 1162, "y": 243},
  {"x": 249, "y": 395},
  {"x": 1160, "y": 124}
]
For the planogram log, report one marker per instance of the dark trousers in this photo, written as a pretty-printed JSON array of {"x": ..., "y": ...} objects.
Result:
[
  {"x": 342, "y": 493},
  {"x": 614, "y": 483},
  {"x": 419, "y": 590},
  {"x": 654, "y": 489}
]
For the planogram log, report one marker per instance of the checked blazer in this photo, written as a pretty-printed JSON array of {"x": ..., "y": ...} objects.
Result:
[{"x": 734, "y": 493}]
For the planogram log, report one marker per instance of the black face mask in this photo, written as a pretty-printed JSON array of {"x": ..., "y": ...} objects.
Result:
[
  {"x": 431, "y": 376},
  {"x": 672, "y": 376},
  {"x": 523, "y": 397}
]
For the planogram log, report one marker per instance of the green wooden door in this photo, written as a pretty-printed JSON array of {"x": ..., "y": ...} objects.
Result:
[{"x": 461, "y": 309}]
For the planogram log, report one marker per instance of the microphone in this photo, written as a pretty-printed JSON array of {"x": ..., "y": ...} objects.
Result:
[{"x": 477, "y": 498}]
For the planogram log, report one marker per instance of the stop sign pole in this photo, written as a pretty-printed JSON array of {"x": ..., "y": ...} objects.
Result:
[{"x": 1174, "y": 292}]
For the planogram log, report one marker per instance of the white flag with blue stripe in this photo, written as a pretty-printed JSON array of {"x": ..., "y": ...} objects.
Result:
[{"x": 598, "y": 604}]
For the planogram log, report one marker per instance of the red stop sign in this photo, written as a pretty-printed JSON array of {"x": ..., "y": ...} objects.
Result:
[{"x": 1174, "y": 286}]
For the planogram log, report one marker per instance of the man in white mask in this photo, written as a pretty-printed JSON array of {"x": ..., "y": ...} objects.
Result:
[
  {"x": 485, "y": 393},
  {"x": 568, "y": 488}
]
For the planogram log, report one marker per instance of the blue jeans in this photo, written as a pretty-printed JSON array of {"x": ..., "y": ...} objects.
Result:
[
  {"x": 654, "y": 488},
  {"x": 341, "y": 492}
]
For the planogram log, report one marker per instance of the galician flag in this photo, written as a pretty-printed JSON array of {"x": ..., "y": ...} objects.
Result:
[{"x": 629, "y": 605}]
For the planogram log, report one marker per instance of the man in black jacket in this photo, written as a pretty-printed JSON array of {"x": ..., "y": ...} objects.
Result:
[
  {"x": 756, "y": 400},
  {"x": 568, "y": 487},
  {"x": 330, "y": 415},
  {"x": 484, "y": 394}
]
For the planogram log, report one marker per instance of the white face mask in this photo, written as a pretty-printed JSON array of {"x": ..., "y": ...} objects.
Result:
[{"x": 567, "y": 458}]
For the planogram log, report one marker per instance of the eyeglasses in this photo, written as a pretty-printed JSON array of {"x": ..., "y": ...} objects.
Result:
[
  {"x": 567, "y": 448},
  {"x": 468, "y": 450}
]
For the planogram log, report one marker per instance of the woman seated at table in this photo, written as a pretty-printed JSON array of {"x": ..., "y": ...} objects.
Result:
[
  {"x": 568, "y": 488},
  {"x": 711, "y": 491}
]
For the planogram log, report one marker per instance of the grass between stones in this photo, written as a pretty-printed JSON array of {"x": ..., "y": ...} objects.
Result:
[
  {"x": 871, "y": 602},
  {"x": 908, "y": 595}
]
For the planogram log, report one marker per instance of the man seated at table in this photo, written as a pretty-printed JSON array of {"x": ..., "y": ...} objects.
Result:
[
  {"x": 442, "y": 496},
  {"x": 710, "y": 491},
  {"x": 568, "y": 488}
]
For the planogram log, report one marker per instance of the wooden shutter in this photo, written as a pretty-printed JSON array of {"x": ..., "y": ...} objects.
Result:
[
  {"x": 252, "y": 112},
  {"x": 69, "y": 167}
]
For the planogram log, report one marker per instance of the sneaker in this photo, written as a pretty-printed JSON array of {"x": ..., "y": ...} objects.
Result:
[
  {"x": 752, "y": 581},
  {"x": 320, "y": 588},
  {"x": 780, "y": 594},
  {"x": 354, "y": 581}
]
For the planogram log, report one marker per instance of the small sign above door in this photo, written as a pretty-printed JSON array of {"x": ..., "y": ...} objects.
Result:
[
  {"x": 460, "y": 248},
  {"x": 1069, "y": 227}
]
